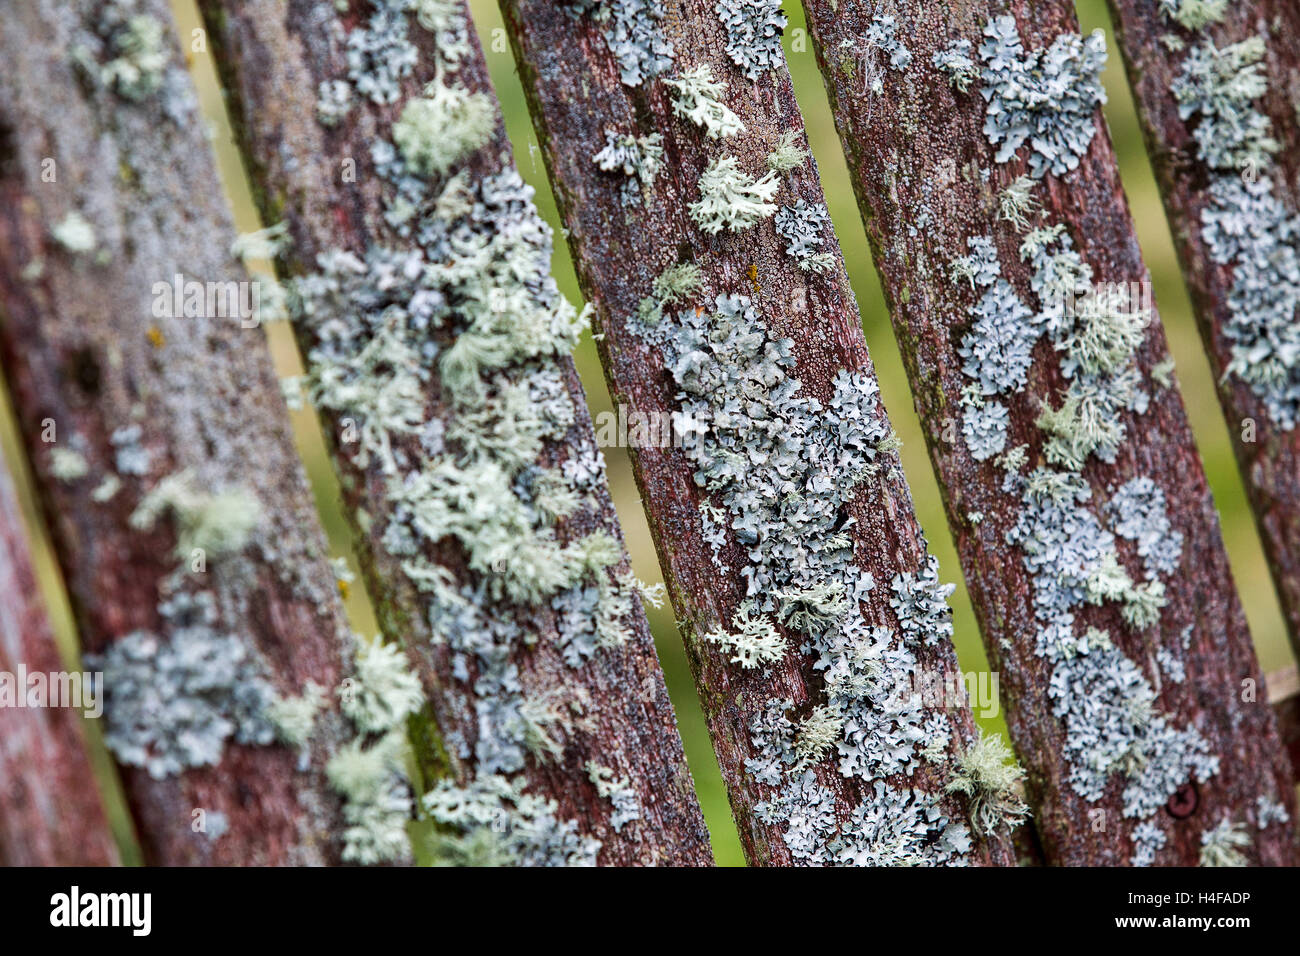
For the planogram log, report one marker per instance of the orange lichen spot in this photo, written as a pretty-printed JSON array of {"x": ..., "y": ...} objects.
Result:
[{"x": 155, "y": 337}]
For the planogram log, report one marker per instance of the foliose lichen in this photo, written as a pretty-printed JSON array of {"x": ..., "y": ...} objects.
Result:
[
  {"x": 1046, "y": 98},
  {"x": 1243, "y": 224},
  {"x": 637, "y": 158},
  {"x": 634, "y": 34},
  {"x": 174, "y": 700},
  {"x": 802, "y": 226},
  {"x": 754, "y": 29}
]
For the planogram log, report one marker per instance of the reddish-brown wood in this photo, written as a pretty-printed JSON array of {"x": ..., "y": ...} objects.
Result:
[
  {"x": 573, "y": 86},
  {"x": 273, "y": 59},
  {"x": 918, "y": 159},
  {"x": 1267, "y": 453},
  {"x": 84, "y": 357},
  {"x": 50, "y": 810}
]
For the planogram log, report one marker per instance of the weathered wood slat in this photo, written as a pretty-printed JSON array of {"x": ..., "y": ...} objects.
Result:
[
  {"x": 1157, "y": 50},
  {"x": 50, "y": 809},
  {"x": 627, "y": 231},
  {"x": 108, "y": 192},
  {"x": 1155, "y": 745},
  {"x": 493, "y": 655}
]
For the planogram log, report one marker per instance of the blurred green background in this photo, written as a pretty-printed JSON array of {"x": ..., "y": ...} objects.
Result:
[{"x": 1194, "y": 375}]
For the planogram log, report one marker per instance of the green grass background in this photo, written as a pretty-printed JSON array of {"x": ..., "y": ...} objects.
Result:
[{"x": 1194, "y": 375}]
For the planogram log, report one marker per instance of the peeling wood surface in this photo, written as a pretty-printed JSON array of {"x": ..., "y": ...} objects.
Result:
[
  {"x": 1270, "y": 464},
  {"x": 50, "y": 809},
  {"x": 273, "y": 56},
  {"x": 574, "y": 90},
  {"x": 920, "y": 144},
  {"x": 83, "y": 352}
]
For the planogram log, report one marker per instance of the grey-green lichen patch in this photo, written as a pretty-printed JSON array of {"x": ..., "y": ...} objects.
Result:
[
  {"x": 493, "y": 822},
  {"x": 137, "y": 54},
  {"x": 438, "y": 130},
  {"x": 673, "y": 286},
  {"x": 990, "y": 779},
  {"x": 803, "y": 227},
  {"x": 700, "y": 99},
  {"x": 217, "y": 523},
  {"x": 881, "y": 36},
  {"x": 1046, "y": 98},
  {"x": 1244, "y": 225},
  {"x": 753, "y": 639},
  {"x": 787, "y": 154},
  {"x": 75, "y": 233},
  {"x": 754, "y": 29},
  {"x": 174, "y": 700},
  {"x": 438, "y": 350},
  {"x": 1105, "y": 701},
  {"x": 732, "y": 199},
  {"x": 778, "y": 469},
  {"x": 955, "y": 60},
  {"x": 618, "y": 791},
  {"x": 1017, "y": 201},
  {"x": 68, "y": 464},
  {"x": 634, "y": 33},
  {"x": 637, "y": 158},
  {"x": 294, "y": 717}
]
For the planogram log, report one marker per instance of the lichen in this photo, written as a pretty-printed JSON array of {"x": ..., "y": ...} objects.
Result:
[
  {"x": 173, "y": 700},
  {"x": 618, "y": 791},
  {"x": 637, "y": 158},
  {"x": 217, "y": 523},
  {"x": 75, "y": 233},
  {"x": 955, "y": 60},
  {"x": 68, "y": 464},
  {"x": 1194, "y": 14},
  {"x": 754, "y": 30},
  {"x": 1046, "y": 98},
  {"x": 438, "y": 130},
  {"x": 777, "y": 474},
  {"x": 802, "y": 226},
  {"x": 732, "y": 199},
  {"x": 634, "y": 34},
  {"x": 988, "y": 776},
  {"x": 700, "y": 100},
  {"x": 787, "y": 154},
  {"x": 1222, "y": 844}
]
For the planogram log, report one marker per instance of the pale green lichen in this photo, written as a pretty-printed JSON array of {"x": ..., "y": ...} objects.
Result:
[
  {"x": 753, "y": 642},
  {"x": 732, "y": 199},
  {"x": 75, "y": 233},
  {"x": 787, "y": 154},
  {"x": 675, "y": 285},
  {"x": 1222, "y": 844},
  {"x": 67, "y": 464},
  {"x": 438, "y": 130},
  {"x": 990, "y": 779},
  {"x": 217, "y": 523},
  {"x": 294, "y": 718},
  {"x": 700, "y": 99}
]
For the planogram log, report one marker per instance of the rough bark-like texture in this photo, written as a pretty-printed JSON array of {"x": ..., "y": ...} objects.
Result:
[
  {"x": 273, "y": 58},
  {"x": 84, "y": 359},
  {"x": 926, "y": 180},
  {"x": 50, "y": 810},
  {"x": 573, "y": 84},
  {"x": 1267, "y": 453}
]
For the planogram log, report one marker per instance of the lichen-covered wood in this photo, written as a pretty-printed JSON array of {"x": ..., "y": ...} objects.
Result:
[
  {"x": 814, "y": 619},
  {"x": 1217, "y": 87},
  {"x": 437, "y": 350},
  {"x": 1085, "y": 528},
  {"x": 50, "y": 809},
  {"x": 151, "y": 430}
]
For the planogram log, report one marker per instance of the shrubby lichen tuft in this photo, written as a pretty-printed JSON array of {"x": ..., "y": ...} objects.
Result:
[
  {"x": 732, "y": 199},
  {"x": 700, "y": 99}
]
